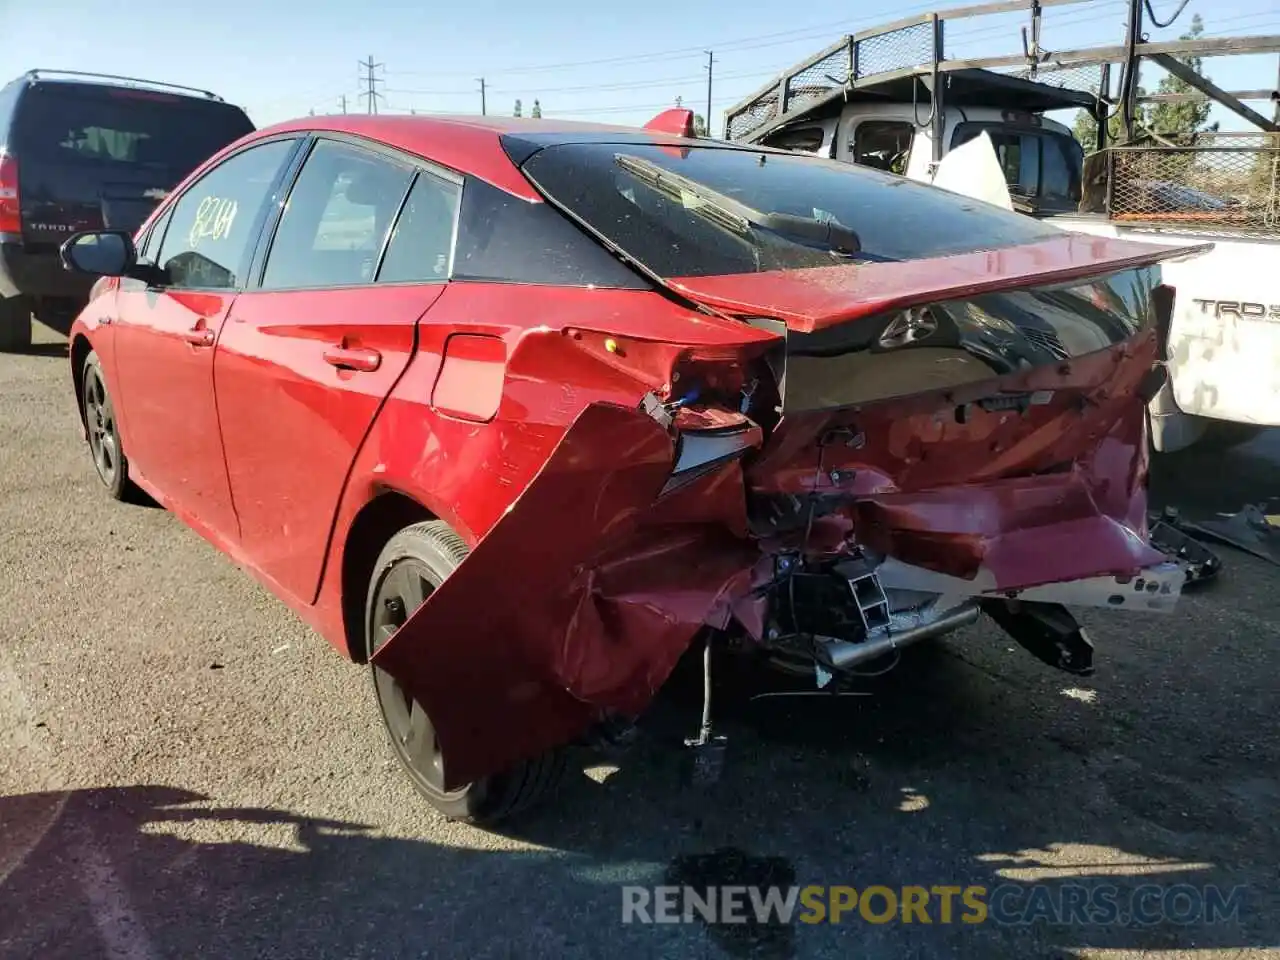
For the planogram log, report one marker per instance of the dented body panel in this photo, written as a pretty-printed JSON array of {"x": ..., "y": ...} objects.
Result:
[{"x": 1011, "y": 496}]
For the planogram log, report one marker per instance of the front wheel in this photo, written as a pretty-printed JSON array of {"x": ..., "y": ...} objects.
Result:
[
  {"x": 103, "y": 432},
  {"x": 414, "y": 562}
]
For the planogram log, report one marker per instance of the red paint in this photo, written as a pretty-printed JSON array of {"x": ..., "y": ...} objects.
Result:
[
  {"x": 677, "y": 121},
  {"x": 293, "y": 422},
  {"x": 504, "y": 411},
  {"x": 164, "y": 354},
  {"x": 593, "y": 610},
  {"x": 818, "y": 297},
  {"x": 470, "y": 383}
]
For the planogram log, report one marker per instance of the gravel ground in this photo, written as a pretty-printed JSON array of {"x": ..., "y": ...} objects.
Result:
[{"x": 186, "y": 770}]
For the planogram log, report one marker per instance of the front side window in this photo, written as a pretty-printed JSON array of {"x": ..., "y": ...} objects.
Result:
[
  {"x": 215, "y": 223},
  {"x": 336, "y": 219}
]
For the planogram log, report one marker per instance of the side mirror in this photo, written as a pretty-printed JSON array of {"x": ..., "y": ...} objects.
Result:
[{"x": 101, "y": 253}]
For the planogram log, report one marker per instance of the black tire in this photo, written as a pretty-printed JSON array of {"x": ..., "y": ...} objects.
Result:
[
  {"x": 412, "y": 564},
  {"x": 15, "y": 324},
  {"x": 105, "y": 446},
  {"x": 1223, "y": 434}
]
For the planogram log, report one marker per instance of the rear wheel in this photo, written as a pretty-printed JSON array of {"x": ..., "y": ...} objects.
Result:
[
  {"x": 104, "y": 435},
  {"x": 15, "y": 323},
  {"x": 414, "y": 562}
]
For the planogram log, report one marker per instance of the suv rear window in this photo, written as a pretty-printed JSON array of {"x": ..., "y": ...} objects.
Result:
[
  {"x": 112, "y": 127},
  {"x": 674, "y": 229}
]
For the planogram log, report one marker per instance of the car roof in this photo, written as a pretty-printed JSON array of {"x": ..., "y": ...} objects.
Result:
[{"x": 470, "y": 144}]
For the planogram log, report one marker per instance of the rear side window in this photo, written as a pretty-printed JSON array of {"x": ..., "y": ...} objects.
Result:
[
  {"x": 116, "y": 130},
  {"x": 504, "y": 239},
  {"x": 337, "y": 217},
  {"x": 882, "y": 144},
  {"x": 667, "y": 208},
  {"x": 421, "y": 245},
  {"x": 1038, "y": 164}
]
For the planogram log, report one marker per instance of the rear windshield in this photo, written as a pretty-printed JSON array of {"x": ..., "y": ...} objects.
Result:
[
  {"x": 677, "y": 226},
  {"x": 112, "y": 128}
]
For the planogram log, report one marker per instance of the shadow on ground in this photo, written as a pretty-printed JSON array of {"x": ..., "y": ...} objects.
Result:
[
  {"x": 1204, "y": 481},
  {"x": 950, "y": 775}
]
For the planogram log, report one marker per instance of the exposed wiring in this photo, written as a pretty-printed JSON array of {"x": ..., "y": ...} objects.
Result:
[
  {"x": 1156, "y": 20},
  {"x": 897, "y": 658},
  {"x": 915, "y": 106}
]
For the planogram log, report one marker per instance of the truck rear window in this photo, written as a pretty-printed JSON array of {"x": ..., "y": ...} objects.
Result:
[
  {"x": 677, "y": 227},
  {"x": 123, "y": 128},
  {"x": 1041, "y": 165}
]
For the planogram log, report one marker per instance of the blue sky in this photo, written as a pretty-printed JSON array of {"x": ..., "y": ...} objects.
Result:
[{"x": 581, "y": 60}]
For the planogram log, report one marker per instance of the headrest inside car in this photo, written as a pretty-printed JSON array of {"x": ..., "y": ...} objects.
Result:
[{"x": 366, "y": 188}]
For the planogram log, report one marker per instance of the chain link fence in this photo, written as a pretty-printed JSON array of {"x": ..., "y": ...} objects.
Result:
[
  {"x": 1208, "y": 182},
  {"x": 854, "y": 58},
  {"x": 1086, "y": 77}
]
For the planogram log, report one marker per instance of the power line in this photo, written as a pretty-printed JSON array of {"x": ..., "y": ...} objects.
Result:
[
  {"x": 371, "y": 81},
  {"x": 774, "y": 38}
]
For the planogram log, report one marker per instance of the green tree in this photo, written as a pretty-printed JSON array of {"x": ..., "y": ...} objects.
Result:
[
  {"x": 1178, "y": 121},
  {"x": 537, "y": 110},
  {"x": 700, "y": 126},
  {"x": 1173, "y": 121},
  {"x": 517, "y": 112}
]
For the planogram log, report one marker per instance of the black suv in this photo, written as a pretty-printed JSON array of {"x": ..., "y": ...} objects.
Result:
[{"x": 82, "y": 152}]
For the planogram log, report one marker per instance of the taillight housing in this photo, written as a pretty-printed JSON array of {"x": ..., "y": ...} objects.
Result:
[{"x": 10, "y": 215}]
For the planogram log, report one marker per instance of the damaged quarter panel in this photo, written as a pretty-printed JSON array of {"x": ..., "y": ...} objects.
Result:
[{"x": 585, "y": 585}]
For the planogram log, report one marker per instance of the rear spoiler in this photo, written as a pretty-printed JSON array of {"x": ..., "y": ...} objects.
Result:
[
  {"x": 814, "y": 298},
  {"x": 677, "y": 121}
]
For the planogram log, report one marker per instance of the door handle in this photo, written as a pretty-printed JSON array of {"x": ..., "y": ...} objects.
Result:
[
  {"x": 199, "y": 336},
  {"x": 365, "y": 359}
]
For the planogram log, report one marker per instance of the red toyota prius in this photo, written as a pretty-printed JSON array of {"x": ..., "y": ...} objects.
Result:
[{"x": 518, "y": 412}]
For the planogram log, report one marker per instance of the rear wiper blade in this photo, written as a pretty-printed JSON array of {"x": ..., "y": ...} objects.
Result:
[
  {"x": 695, "y": 198},
  {"x": 737, "y": 216},
  {"x": 835, "y": 236}
]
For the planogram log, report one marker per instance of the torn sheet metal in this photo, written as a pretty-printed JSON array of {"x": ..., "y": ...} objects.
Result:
[{"x": 569, "y": 608}]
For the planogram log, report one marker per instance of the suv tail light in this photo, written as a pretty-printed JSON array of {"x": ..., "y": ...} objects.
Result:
[{"x": 10, "y": 216}]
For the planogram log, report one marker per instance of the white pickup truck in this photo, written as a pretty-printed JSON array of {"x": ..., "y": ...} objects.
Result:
[{"x": 1225, "y": 340}]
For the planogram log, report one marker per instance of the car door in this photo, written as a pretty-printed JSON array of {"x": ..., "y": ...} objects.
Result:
[
  {"x": 307, "y": 356},
  {"x": 165, "y": 333}
]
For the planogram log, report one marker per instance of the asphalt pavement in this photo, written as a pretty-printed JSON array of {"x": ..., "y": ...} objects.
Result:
[{"x": 187, "y": 771}]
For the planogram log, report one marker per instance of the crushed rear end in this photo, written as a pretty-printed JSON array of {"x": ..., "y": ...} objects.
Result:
[{"x": 888, "y": 451}]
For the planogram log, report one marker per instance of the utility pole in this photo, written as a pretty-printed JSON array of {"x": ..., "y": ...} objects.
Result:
[
  {"x": 483, "y": 110},
  {"x": 1276, "y": 95},
  {"x": 1032, "y": 47},
  {"x": 343, "y": 101},
  {"x": 711, "y": 59},
  {"x": 371, "y": 84}
]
